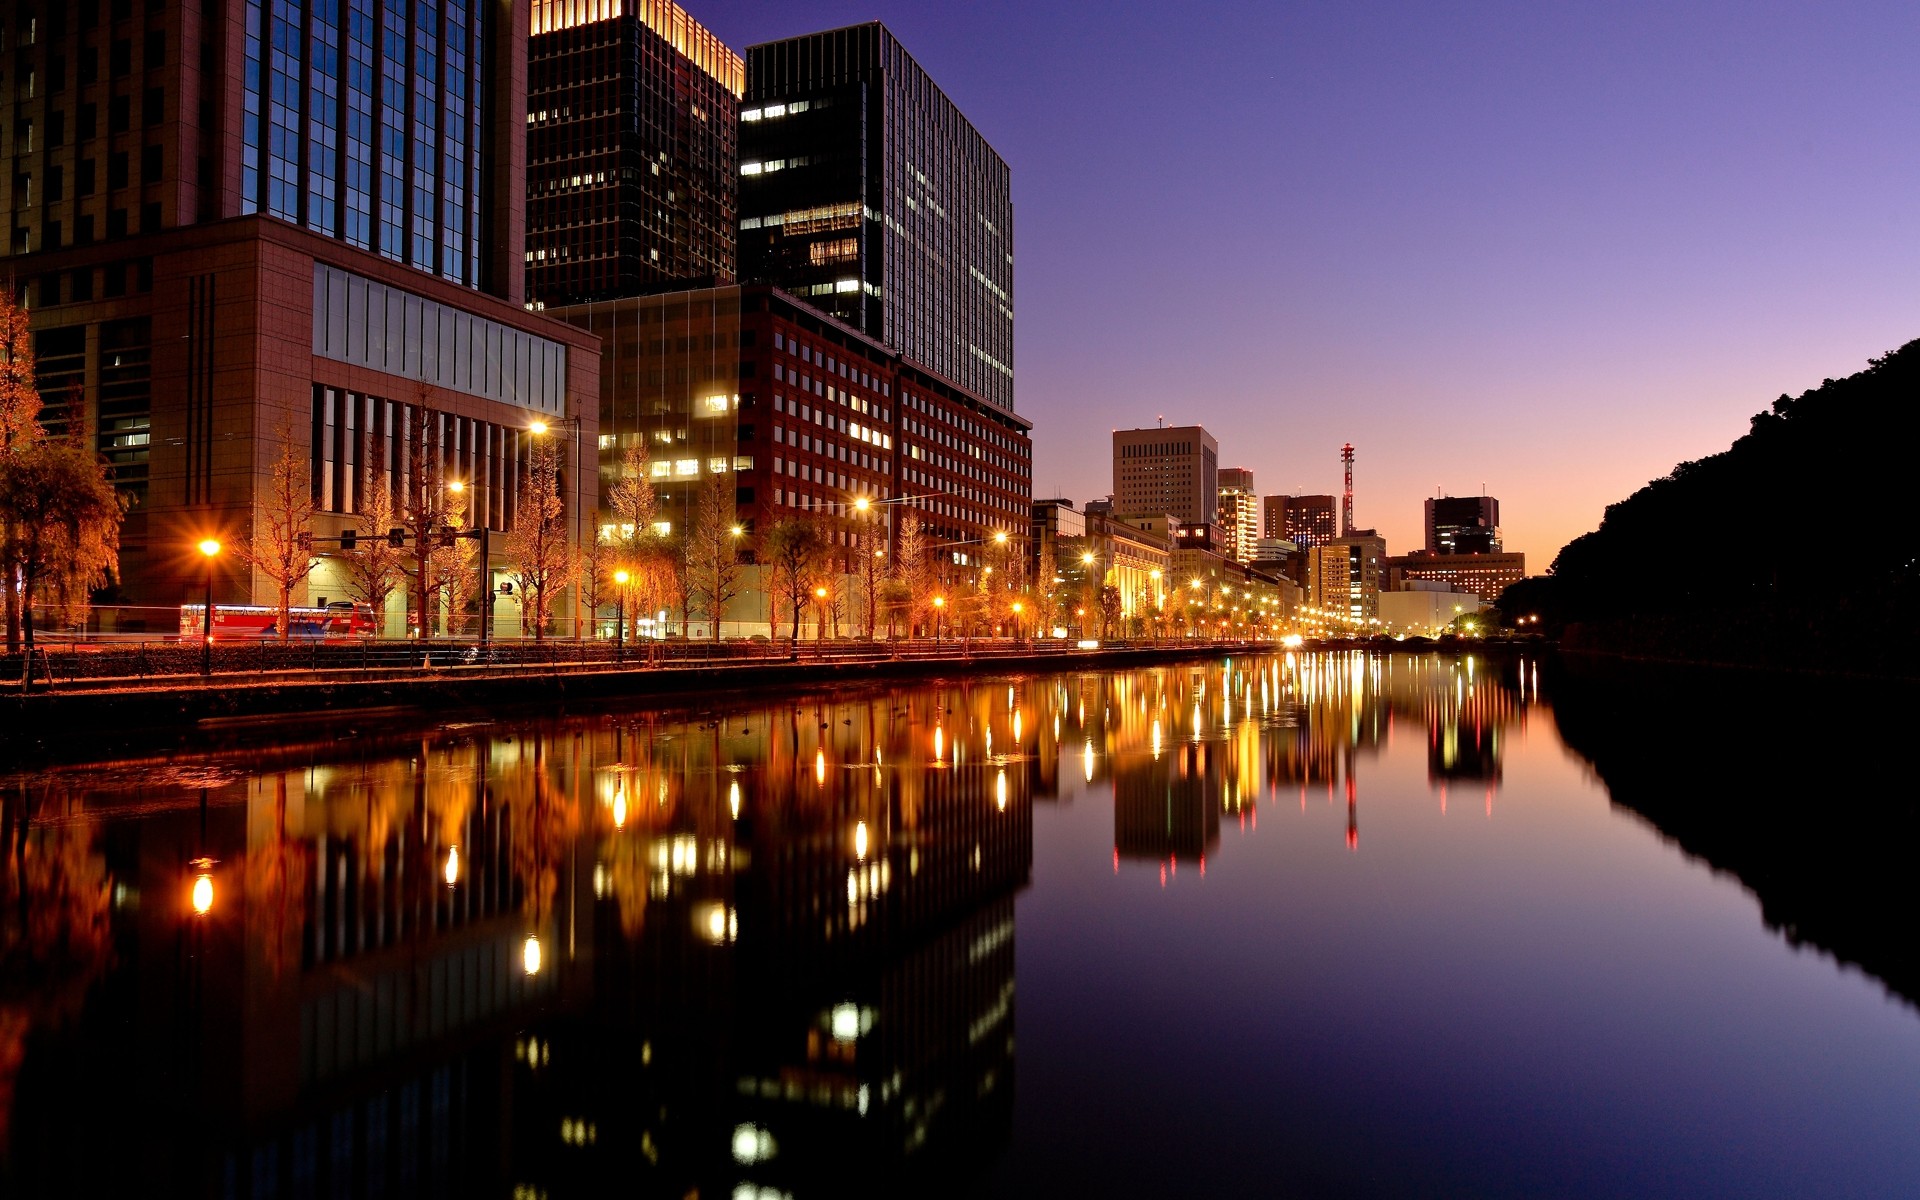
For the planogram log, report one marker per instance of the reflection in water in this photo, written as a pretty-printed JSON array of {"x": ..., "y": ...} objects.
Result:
[
  {"x": 1793, "y": 784},
  {"x": 753, "y": 952}
]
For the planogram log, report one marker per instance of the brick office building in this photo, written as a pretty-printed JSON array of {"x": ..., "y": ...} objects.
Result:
[
  {"x": 805, "y": 415},
  {"x": 190, "y": 187}
]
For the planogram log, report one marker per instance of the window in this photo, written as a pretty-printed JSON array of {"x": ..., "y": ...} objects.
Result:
[
  {"x": 88, "y": 122},
  {"x": 117, "y": 169},
  {"x": 150, "y": 164},
  {"x": 56, "y": 129},
  {"x": 122, "y": 57},
  {"x": 153, "y": 105},
  {"x": 156, "y": 49},
  {"x": 119, "y": 113},
  {"x": 83, "y": 179}
]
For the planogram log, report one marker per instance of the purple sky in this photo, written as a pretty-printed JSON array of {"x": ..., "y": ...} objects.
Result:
[{"x": 1552, "y": 249}]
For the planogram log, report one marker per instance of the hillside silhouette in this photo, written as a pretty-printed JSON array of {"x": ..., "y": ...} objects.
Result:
[{"x": 1796, "y": 546}]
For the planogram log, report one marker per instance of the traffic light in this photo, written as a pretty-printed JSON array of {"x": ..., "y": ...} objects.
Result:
[
  {"x": 348, "y": 539},
  {"x": 397, "y": 538}
]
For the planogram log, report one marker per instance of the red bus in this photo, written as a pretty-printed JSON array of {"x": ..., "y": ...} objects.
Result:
[{"x": 240, "y": 622}]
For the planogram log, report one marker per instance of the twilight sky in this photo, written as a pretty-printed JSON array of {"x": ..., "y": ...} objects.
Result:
[{"x": 1548, "y": 248}]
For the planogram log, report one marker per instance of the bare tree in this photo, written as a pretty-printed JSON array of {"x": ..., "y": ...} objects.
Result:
[
  {"x": 456, "y": 563},
  {"x": 280, "y": 544},
  {"x": 373, "y": 564},
  {"x": 423, "y": 507},
  {"x": 910, "y": 572},
  {"x": 793, "y": 550},
  {"x": 595, "y": 575},
  {"x": 636, "y": 507},
  {"x": 713, "y": 552},
  {"x": 539, "y": 558}
]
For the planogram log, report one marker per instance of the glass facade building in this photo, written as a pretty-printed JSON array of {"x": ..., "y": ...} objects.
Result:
[
  {"x": 867, "y": 193},
  {"x": 632, "y": 149},
  {"x": 374, "y": 137}
]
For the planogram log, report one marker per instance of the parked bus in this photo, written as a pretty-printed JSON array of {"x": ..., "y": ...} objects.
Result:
[{"x": 256, "y": 622}]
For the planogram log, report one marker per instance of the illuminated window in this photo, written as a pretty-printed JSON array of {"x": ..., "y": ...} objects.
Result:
[{"x": 686, "y": 466}]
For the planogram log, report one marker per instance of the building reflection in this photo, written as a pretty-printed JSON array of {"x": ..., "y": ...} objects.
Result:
[{"x": 764, "y": 950}]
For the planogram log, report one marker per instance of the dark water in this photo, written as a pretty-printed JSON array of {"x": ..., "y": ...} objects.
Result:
[{"x": 1318, "y": 926}]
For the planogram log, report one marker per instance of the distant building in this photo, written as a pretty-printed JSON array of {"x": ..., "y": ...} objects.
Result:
[
  {"x": 1485, "y": 575},
  {"x": 1463, "y": 525},
  {"x": 1239, "y": 512},
  {"x": 866, "y": 193},
  {"x": 1425, "y": 608},
  {"x": 632, "y": 151},
  {"x": 1307, "y": 521},
  {"x": 1172, "y": 470},
  {"x": 1344, "y": 576}
]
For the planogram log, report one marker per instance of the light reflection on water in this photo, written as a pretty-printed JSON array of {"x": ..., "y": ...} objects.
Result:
[{"x": 770, "y": 950}]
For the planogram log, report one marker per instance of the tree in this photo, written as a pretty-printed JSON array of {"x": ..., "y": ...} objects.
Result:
[
  {"x": 1110, "y": 607},
  {"x": 910, "y": 572},
  {"x": 1046, "y": 603},
  {"x": 280, "y": 544},
  {"x": 456, "y": 563},
  {"x": 423, "y": 508},
  {"x": 793, "y": 550},
  {"x": 595, "y": 573},
  {"x": 61, "y": 517},
  {"x": 537, "y": 552},
  {"x": 713, "y": 558},
  {"x": 19, "y": 425},
  {"x": 373, "y": 565}
]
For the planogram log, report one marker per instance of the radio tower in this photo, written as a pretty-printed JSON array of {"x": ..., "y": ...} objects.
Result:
[{"x": 1346, "y": 499}]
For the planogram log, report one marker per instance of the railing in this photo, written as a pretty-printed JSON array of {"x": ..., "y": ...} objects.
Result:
[{"x": 175, "y": 661}]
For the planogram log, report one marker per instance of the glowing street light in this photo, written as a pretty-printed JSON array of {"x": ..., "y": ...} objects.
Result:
[
  {"x": 209, "y": 550},
  {"x": 530, "y": 955},
  {"x": 201, "y": 893}
]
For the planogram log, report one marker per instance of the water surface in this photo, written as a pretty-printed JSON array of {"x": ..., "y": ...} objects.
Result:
[{"x": 1319, "y": 925}]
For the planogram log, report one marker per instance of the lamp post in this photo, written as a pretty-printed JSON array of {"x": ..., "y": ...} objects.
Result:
[
  {"x": 620, "y": 607},
  {"x": 210, "y": 550},
  {"x": 480, "y": 531},
  {"x": 939, "y": 610}
]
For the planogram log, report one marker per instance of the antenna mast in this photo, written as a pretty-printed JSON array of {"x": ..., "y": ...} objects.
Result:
[{"x": 1346, "y": 499}]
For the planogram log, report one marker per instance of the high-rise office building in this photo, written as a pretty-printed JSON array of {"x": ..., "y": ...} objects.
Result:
[
  {"x": 1306, "y": 521},
  {"x": 865, "y": 192},
  {"x": 241, "y": 225},
  {"x": 1485, "y": 575},
  {"x": 394, "y": 128},
  {"x": 632, "y": 150},
  {"x": 1344, "y": 576},
  {"x": 1463, "y": 525},
  {"x": 1167, "y": 471},
  {"x": 1239, "y": 513}
]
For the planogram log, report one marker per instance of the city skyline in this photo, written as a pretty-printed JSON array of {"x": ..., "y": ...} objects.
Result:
[{"x": 1541, "y": 255}]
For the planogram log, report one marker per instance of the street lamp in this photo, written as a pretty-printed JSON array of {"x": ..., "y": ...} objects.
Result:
[
  {"x": 939, "y": 610},
  {"x": 210, "y": 550},
  {"x": 620, "y": 607}
]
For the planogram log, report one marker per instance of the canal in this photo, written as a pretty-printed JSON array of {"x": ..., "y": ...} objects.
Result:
[{"x": 1315, "y": 925}]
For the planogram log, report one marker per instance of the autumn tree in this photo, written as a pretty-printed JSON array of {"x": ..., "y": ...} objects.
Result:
[
  {"x": 792, "y": 552},
  {"x": 594, "y": 571},
  {"x": 713, "y": 552},
  {"x": 539, "y": 559},
  {"x": 635, "y": 508},
  {"x": 280, "y": 544},
  {"x": 19, "y": 422},
  {"x": 1046, "y": 599},
  {"x": 60, "y": 516}
]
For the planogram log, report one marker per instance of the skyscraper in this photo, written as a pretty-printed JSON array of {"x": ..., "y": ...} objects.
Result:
[
  {"x": 246, "y": 226},
  {"x": 1171, "y": 471},
  {"x": 1463, "y": 525},
  {"x": 394, "y": 128},
  {"x": 1239, "y": 512},
  {"x": 1306, "y": 521},
  {"x": 632, "y": 150},
  {"x": 865, "y": 192}
]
